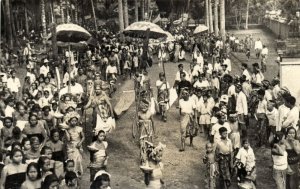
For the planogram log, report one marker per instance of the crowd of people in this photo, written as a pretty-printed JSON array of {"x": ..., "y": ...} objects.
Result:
[{"x": 42, "y": 119}]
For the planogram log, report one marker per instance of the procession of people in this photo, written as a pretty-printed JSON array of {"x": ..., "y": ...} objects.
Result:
[{"x": 43, "y": 118}]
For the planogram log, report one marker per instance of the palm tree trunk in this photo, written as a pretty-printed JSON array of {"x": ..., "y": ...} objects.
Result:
[
  {"x": 136, "y": 10},
  {"x": 61, "y": 11},
  {"x": 206, "y": 13},
  {"x": 121, "y": 19},
  {"x": 216, "y": 17},
  {"x": 211, "y": 22},
  {"x": 247, "y": 14},
  {"x": 126, "y": 19},
  {"x": 43, "y": 15},
  {"x": 222, "y": 18},
  {"x": 9, "y": 23},
  {"x": 13, "y": 26},
  {"x": 148, "y": 8},
  {"x": 94, "y": 15},
  {"x": 76, "y": 12},
  {"x": 143, "y": 9},
  {"x": 54, "y": 42}
]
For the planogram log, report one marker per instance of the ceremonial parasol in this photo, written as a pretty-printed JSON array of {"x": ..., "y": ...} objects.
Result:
[
  {"x": 201, "y": 28},
  {"x": 71, "y": 34},
  {"x": 140, "y": 29}
]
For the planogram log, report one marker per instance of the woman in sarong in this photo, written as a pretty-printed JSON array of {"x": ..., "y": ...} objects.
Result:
[{"x": 94, "y": 102}]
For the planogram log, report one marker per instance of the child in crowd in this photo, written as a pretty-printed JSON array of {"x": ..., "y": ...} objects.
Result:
[
  {"x": 57, "y": 146},
  {"x": 211, "y": 166},
  {"x": 98, "y": 153},
  {"x": 33, "y": 154},
  {"x": 6, "y": 132},
  {"x": 205, "y": 115},
  {"x": 26, "y": 145},
  {"x": 33, "y": 179},
  {"x": 245, "y": 161},
  {"x": 71, "y": 181},
  {"x": 75, "y": 137},
  {"x": 234, "y": 136},
  {"x": 272, "y": 115},
  {"x": 261, "y": 118}
]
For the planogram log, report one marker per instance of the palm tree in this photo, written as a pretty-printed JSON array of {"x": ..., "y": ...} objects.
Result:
[
  {"x": 120, "y": 11},
  {"x": 8, "y": 23},
  {"x": 136, "y": 10},
  {"x": 247, "y": 15},
  {"x": 43, "y": 15},
  {"x": 211, "y": 23},
  {"x": 222, "y": 18},
  {"x": 61, "y": 11},
  {"x": 143, "y": 9},
  {"x": 26, "y": 19},
  {"x": 76, "y": 12},
  {"x": 94, "y": 15},
  {"x": 126, "y": 20},
  {"x": 206, "y": 13},
  {"x": 216, "y": 17}
]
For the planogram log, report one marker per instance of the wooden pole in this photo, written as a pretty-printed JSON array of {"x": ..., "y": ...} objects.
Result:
[{"x": 69, "y": 70}]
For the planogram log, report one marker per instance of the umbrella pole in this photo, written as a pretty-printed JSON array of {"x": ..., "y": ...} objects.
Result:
[{"x": 69, "y": 70}]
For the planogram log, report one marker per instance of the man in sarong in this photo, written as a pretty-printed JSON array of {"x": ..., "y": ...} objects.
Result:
[
  {"x": 224, "y": 157},
  {"x": 187, "y": 111}
]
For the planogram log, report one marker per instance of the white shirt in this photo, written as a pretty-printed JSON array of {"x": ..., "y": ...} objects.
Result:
[
  {"x": 265, "y": 51},
  {"x": 196, "y": 70},
  {"x": 258, "y": 78},
  {"x": 162, "y": 87},
  {"x": 209, "y": 68},
  {"x": 187, "y": 106},
  {"x": 262, "y": 107},
  {"x": 8, "y": 112},
  {"x": 197, "y": 101},
  {"x": 31, "y": 76},
  {"x": 200, "y": 60},
  {"x": 202, "y": 84},
  {"x": 227, "y": 62},
  {"x": 215, "y": 83},
  {"x": 258, "y": 45},
  {"x": 241, "y": 104},
  {"x": 292, "y": 118},
  {"x": 246, "y": 157},
  {"x": 268, "y": 95},
  {"x": 44, "y": 70},
  {"x": 280, "y": 162},
  {"x": 181, "y": 54},
  {"x": 231, "y": 91},
  {"x": 13, "y": 84},
  {"x": 111, "y": 69},
  {"x": 215, "y": 130},
  {"x": 276, "y": 91},
  {"x": 282, "y": 114},
  {"x": 247, "y": 74},
  {"x": 217, "y": 67},
  {"x": 177, "y": 78},
  {"x": 273, "y": 117}
]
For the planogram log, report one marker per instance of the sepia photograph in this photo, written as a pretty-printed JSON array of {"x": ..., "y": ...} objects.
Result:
[{"x": 150, "y": 94}]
